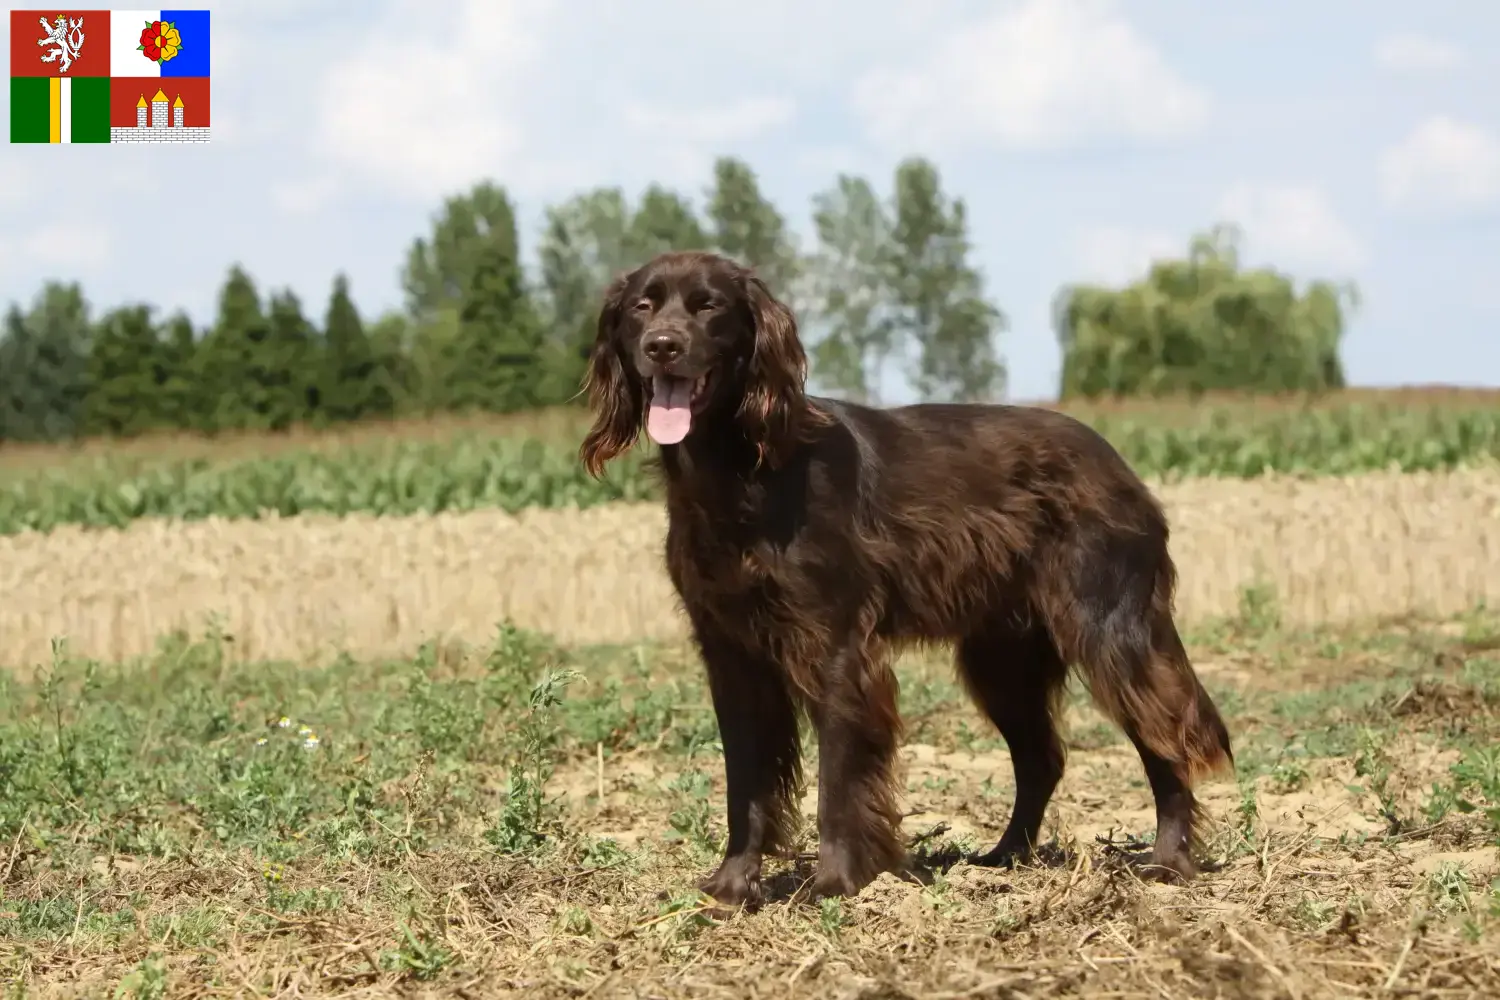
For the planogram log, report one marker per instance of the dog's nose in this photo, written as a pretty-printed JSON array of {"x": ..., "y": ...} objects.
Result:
[{"x": 664, "y": 348}]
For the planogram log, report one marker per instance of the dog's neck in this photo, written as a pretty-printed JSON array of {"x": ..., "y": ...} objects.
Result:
[{"x": 720, "y": 467}]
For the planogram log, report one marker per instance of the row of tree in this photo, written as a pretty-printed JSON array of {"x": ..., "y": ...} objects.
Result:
[{"x": 888, "y": 286}]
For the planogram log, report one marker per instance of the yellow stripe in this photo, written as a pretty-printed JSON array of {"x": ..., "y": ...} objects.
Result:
[{"x": 54, "y": 94}]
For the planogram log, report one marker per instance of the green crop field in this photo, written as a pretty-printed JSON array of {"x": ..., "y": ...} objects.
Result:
[{"x": 513, "y": 465}]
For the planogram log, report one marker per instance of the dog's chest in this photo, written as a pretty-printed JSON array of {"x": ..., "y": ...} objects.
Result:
[{"x": 723, "y": 565}]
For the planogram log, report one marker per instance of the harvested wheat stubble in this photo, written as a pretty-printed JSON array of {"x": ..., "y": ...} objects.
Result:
[{"x": 1333, "y": 549}]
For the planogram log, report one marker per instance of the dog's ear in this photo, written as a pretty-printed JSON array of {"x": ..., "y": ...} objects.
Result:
[
  {"x": 617, "y": 399},
  {"x": 775, "y": 405}
]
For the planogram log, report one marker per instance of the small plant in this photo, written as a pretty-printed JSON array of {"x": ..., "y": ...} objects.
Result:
[
  {"x": 1372, "y": 763},
  {"x": 525, "y": 813},
  {"x": 1260, "y": 608},
  {"x": 831, "y": 917},
  {"x": 1448, "y": 888},
  {"x": 1476, "y": 787},
  {"x": 681, "y": 917},
  {"x": 1248, "y": 811},
  {"x": 605, "y": 853},
  {"x": 416, "y": 956},
  {"x": 147, "y": 981},
  {"x": 575, "y": 920},
  {"x": 692, "y": 822},
  {"x": 1288, "y": 775},
  {"x": 1312, "y": 913}
]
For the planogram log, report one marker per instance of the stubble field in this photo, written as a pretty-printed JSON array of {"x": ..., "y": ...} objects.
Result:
[
  {"x": 466, "y": 752},
  {"x": 524, "y": 820}
]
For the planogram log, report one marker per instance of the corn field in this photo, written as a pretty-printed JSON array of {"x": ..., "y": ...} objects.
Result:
[{"x": 475, "y": 470}]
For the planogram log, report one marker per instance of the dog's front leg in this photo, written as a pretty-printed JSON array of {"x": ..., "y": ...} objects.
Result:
[
  {"x": 762, "y": 763},
  {"x": 859, "y": 731}
]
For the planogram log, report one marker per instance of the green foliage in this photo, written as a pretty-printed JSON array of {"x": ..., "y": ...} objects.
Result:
[
  {"x": 846, "y": 275},
  {"x": 289, "y": 365},
  {"x": 230, "y": 359},
  {"x": 1202, "y": 324},
  {"x": 894, "y": 281},
  {"x": 406, "y": 478},
  {"x": 126, "y": 371},
  {"x": 473, "y": 471},
  {"x": 888, "y": 288},
  {"x": 748, "y": 228},
  {"x": 354, "y": 383},
  {"x": 44, "y": 358},
  {"x": 491, "y": 361},
  {"x": 939, "y": 297}
]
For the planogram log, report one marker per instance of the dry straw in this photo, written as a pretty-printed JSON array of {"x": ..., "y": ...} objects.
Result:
[{"x": 1332, "y": 548}]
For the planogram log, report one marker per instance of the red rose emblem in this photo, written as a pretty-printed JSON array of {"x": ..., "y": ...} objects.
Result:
[{"x": 151, "y": 41}]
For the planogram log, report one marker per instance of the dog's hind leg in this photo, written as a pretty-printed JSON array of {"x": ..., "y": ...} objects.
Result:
[{"x": 1016, "y": 677}]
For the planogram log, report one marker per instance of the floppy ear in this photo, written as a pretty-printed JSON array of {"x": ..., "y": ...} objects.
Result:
[
  {"x": 616, "y": 398},
  {"x": 774, "y": 409}
]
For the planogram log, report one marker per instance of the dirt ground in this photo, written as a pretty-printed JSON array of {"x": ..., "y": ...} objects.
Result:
[{"x": 459, "y": 825}]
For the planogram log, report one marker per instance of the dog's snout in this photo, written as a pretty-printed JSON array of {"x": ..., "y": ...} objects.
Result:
[{"x": 664, "y": 348}]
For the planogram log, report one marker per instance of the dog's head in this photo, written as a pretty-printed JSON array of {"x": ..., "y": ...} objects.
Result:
[{"x": 689, "y": 344}]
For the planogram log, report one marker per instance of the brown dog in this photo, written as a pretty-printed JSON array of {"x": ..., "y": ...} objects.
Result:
[{"x": 808, "y": 537}]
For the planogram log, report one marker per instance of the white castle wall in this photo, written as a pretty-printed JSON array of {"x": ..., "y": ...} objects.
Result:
[{"x": 193, "y": 134}]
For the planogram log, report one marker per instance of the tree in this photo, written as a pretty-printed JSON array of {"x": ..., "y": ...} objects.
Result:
[
  {"x": 664, "y": 221},
  {"x": 939, "y": 296},
  {"x": 393, "y": 388},
  {"x": 231, "y": 390},
  {"x": 587, "y": 241},
  {"x": 123, "y": 397},
  {"x": 848, "y": 288},
  {"x": 584, "y": 244},
  {"x": 288, "y": 365},
  {"x": 748, "y": 228},
  {"x": 44, "y": 357},
  {"x": 468, "y": 298},
  {"x": 352, "y": 386},
  {"x": 440, "y": 269},
  {"x": 174, "y": 373},
  {"x": 493, "y": 359},
  {"x": 1200, "y": 324},
  {"x": 894, "y": 280}
]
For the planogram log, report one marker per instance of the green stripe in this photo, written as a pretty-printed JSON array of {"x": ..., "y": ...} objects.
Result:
[
  {"x": 91, "y": 109},
  {"x": 30, "y": 116}
]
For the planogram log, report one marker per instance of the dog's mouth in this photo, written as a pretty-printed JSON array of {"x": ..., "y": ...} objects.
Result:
[{"x": 673, "y": 401}]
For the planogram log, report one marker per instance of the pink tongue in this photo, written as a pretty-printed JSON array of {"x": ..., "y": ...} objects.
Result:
[{"x": 670, "y": 417}]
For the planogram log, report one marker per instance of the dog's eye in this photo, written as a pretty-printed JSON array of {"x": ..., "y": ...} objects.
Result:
[
  {"x": 643, "y": 305},
  {"x": 707, "y": 305}
]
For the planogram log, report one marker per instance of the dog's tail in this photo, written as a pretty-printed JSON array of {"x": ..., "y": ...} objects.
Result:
[{"x": 1138, "y": 671}]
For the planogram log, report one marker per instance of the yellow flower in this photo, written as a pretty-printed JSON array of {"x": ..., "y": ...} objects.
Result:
[{"x": 169, "y": 41}]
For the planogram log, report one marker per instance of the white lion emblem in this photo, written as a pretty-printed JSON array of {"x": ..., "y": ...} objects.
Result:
[{"x": 66, "y": 37}]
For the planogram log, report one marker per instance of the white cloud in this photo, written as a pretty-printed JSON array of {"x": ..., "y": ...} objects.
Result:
[
  {"x": 1444, "y": 165},
  {"x": 67, "y": 246},
  {"x": 1043, "y": 74},
  {"x": 1414, "y": 53},
  {"x": 15, "y": 182},
  {"x": 303, "y": 197},
  {"x": 425, "y": 104},
  {"x": 1115, "y": 255},
  {"x": 1292, "y": 226},
  {"x": 684, "y": 141}
]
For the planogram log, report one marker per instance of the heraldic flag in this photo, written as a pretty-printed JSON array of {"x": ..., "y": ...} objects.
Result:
[{"x": 109, "y": 75}]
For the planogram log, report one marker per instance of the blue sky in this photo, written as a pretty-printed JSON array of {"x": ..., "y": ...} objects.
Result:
[{"x": 1354, "y": 139}]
